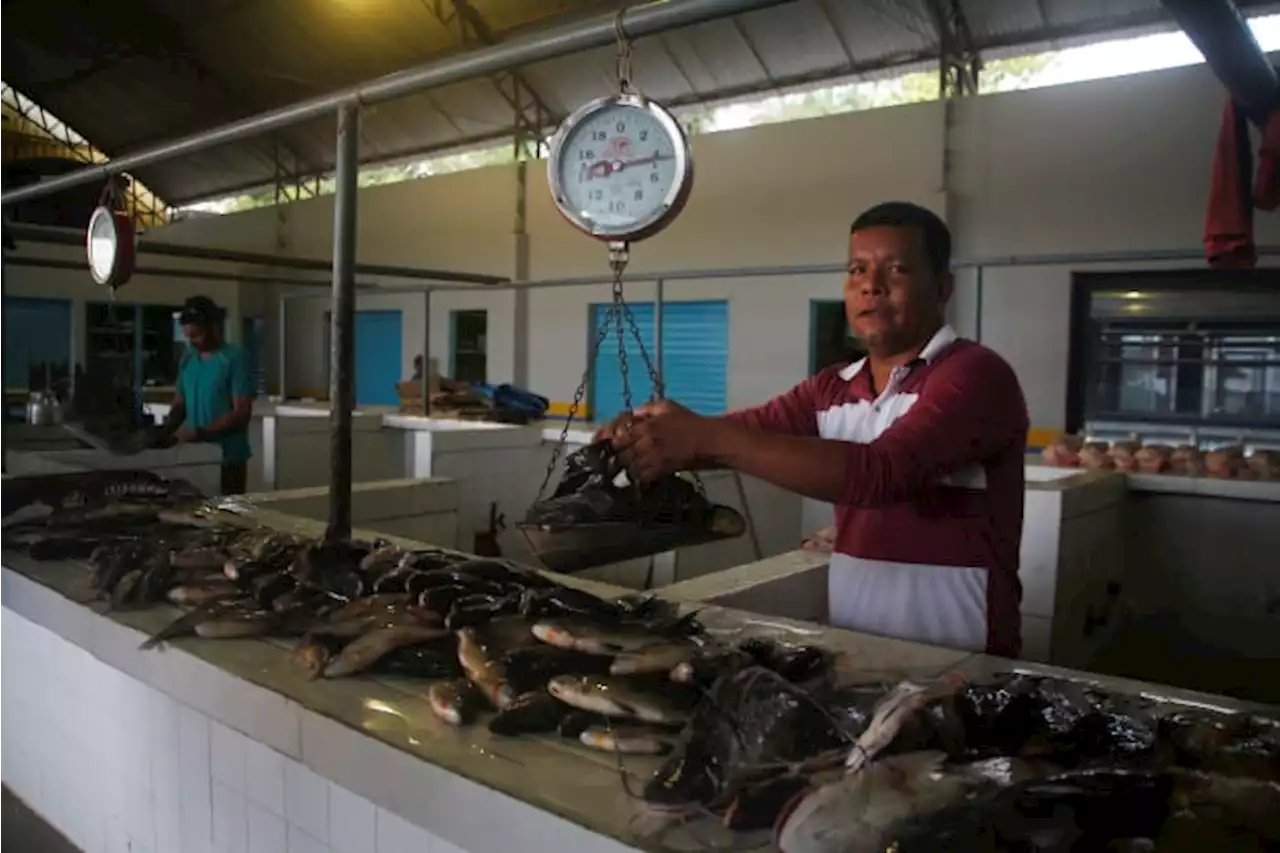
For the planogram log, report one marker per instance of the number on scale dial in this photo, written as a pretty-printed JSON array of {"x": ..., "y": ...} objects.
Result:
[{"x": 620, "y": 168}]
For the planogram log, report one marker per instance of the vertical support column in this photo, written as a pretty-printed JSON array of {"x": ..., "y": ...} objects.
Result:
[
  {"x": 342, "y": 334},
  {"x": 4, "y": 341},
  {"x": 282, "y": 347},
  {"x": 426, "y": 353},
  {"x": 520, "y": 296}
]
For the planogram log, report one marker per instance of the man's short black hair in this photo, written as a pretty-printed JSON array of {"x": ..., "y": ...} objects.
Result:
[
  {"x": 904, "y": 214},
  {"x": 200, "y": 311}
]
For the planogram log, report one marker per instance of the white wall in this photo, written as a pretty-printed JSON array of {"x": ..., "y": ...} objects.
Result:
[
  {"x": 1118, "y": 164},
  {"x": 78, "y": 287}
]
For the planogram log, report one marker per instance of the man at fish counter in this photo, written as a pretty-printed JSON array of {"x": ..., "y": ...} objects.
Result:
[
  {"x": 919, "y": 445},
  {"x": 214, "y": 399}
]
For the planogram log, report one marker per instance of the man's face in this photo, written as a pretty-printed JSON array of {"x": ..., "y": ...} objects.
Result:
[
  {"x": 892, "y": 297},
  {"x": 197, "y": 335}
]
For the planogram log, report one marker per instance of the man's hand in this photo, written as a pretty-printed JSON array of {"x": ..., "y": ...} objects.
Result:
[
  {"x": 186, "y": 435},
  {"x": 660, "y": 438}
]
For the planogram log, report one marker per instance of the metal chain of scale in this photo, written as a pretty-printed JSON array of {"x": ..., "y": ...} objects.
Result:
[{"x": 619, "y": 312}]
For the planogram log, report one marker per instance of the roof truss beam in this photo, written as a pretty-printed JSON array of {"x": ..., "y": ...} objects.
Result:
[
  {"x": 532, "y": 115},
  {"x": 959, "y": 62}
]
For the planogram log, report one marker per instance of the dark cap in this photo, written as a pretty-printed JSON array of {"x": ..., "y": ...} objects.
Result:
[{"x": 200, "y": 311}]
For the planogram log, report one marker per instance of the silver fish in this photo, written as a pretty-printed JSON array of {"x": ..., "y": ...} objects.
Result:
[
  {"x": 663, "y": 657},
  {"x": 615, "y": 698},
  {"x": 193, "y": 595},
  {"x": 856, "y": 812},
  {"x": 484, "y": 669},
  {"x": 624, "y": 740},
  {"x": 899, "y": 705},
  {"x": 585, "y": 636}
]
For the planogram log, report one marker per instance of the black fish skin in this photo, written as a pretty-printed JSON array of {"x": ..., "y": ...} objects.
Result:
[{"x": 535, "y": 712}]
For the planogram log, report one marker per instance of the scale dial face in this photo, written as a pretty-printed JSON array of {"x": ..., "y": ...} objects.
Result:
[
  {"x": 102, "y": 243},
  {"x": 620, "y": 168}
]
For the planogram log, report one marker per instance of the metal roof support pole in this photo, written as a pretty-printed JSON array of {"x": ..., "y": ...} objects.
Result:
[
  {"x": 1222, "y": 34},
  {"x": 282, "y": 347},
  {"x": 426, "y": 353},
  {"x": 597, "y": 31},
  {"x": 342, "y": 335},
  {"x": 4, "y": 342}
]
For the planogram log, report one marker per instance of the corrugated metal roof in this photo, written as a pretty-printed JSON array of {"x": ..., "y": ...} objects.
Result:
[{"x": 131, "y": 73}]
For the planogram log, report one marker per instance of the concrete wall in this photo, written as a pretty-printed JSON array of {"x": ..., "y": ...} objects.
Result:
[{"x": 1096, "y": 166}]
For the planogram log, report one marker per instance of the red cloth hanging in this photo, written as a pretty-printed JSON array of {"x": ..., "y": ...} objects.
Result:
[{"x": 1234, "y": 192}]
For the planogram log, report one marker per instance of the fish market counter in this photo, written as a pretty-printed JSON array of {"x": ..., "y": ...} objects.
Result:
[
  {"x": 225, "y": 745},
  {"x": 198, "y": 464}
]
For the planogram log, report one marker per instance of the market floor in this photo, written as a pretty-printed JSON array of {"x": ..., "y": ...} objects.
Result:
[{"x": 24, "y": 831}]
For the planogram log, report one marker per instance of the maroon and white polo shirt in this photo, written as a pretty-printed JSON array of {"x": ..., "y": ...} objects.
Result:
[{"x": 928, "y": 529}]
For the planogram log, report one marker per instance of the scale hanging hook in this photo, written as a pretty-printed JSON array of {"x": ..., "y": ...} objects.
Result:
[{"x": 625, "y": 86}]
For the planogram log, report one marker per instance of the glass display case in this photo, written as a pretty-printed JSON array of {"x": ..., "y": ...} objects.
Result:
[{"x": 1177, "y": 357}]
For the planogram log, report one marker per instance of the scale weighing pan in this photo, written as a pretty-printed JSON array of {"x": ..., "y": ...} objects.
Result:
[{"x": 574, "y": 548}]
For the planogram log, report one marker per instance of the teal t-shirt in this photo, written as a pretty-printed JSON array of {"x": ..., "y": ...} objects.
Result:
[{"x": 209, "y": 387}]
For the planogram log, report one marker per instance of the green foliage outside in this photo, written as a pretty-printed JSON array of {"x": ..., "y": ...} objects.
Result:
[{"x": 1002, "y": 75}]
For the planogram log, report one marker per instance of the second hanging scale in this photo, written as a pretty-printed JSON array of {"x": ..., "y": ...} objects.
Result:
[{"x": 620, "y": 170}]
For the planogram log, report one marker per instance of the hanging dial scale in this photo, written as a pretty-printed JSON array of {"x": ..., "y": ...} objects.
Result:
[
  {"x": 111, "y": 240},
  {"x": 620, "y": 170}
]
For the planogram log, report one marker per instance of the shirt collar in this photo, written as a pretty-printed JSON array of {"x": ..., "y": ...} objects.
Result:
[{"x": 941, "y": 339}]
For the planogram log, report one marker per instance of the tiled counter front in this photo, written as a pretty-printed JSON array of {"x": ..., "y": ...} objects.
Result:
[
  {"x": 225, "y": 746},
  {"x": 117, "y": 766}
]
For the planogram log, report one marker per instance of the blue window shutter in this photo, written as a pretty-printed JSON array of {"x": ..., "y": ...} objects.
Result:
[
  {"x": 695, "y": 354},
  {"x": 377, "y": 355},
  {"x": 606, "y": 380},
  {"x": 35, "y": 330}
]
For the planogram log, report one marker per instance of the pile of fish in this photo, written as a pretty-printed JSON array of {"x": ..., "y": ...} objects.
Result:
[{"x": 597, "y": 516}]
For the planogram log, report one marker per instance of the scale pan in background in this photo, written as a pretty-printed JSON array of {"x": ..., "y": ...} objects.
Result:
[{"x": 579, "y": 547}]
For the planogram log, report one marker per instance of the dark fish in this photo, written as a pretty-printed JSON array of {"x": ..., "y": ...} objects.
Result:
[
  {"x": 314, "y": 651},
  {"x": 395, "y": 581},
  {"x": 157, "y": 577},
  {"x": 193, "y": 595},
  {"x": 490, "y": 570},
  {"x": 561, "y": 601},
  {"x": 381, "y": 560},
  {"x": 125, "y": 589},
  {"x": 477, "y": 610},
  {"x": 1079, "y": 810},
  {"x": 186, "y": 624},
  {"x": 574, "y": 723},
  {"x": 535, "y": 712},
  {"x": 532, "y": 667},
  {"x": 432, "y": 659},
  {"x": 204, "y": 558},
  {"x": 429, "y": 560},
  {"x": 248, "y": 622},
  {"x": 757, "y": 806},
  {"x": 440, "y": 599},
  {"x": 455, "y": 702},
  {"x": 365, "y": 650},
  {"x": 418, "y": 582}
]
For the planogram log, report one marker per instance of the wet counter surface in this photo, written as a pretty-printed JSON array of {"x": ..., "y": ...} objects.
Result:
[{"x": 253, "y": 686}]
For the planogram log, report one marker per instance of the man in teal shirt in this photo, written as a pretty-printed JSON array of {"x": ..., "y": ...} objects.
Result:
[{"x": 214, "y": 400}]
